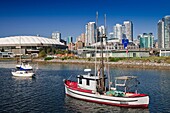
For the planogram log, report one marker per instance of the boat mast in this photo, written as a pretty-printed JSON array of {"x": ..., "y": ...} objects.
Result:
[
  {"x": 96, "y": 43},
  {"x": 102, "y": 36},
  {"x": 20, "y": 50},
  {"x": 107, "y": 49}
]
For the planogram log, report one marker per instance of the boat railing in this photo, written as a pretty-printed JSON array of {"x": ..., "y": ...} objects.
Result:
[{"x": 123, "y": 85}]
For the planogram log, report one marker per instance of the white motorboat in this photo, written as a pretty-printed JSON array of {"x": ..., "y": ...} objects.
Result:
[
  {"x": 23, "y": 73},
  {"x": 24, "y": 66}
]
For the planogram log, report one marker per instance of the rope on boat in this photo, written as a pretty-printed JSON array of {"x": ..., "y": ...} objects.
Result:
[{"x": 69, "y": 77}]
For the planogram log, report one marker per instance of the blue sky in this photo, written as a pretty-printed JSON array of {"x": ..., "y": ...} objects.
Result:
[{"x": 31, "y": 17}]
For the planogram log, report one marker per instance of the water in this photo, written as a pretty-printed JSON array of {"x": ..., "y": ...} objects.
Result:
[{"x": 45, "y": 93}]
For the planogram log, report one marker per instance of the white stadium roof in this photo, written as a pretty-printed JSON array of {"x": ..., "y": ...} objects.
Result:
[{"x": 15, "y": 40}]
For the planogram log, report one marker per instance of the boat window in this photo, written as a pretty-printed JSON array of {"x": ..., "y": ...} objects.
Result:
[
  {"x": 87, "y": 82},
  {"x": 80, "y": 80},
  {"x": 91, "y": 74}
]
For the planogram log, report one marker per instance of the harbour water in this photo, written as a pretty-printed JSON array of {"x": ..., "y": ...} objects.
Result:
[{"x": 45, "y": 92}]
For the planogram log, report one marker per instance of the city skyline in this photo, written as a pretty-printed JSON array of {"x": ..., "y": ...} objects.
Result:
[{"x": 30, "y": 17}]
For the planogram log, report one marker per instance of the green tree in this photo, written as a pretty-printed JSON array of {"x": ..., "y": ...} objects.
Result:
[
  {"x": 48, "y": 50},
  {"x": 42, "y": 53},
  {"x": 53, "y": 50}
]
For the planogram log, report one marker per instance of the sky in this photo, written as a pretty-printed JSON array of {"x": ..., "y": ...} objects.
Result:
[{"x": 69, "y": 17}]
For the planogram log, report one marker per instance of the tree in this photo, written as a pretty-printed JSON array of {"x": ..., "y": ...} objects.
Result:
[
  {"x": 42, "y": 53},
  {"x": 53, "y": 50},
  {"x": 48, "y": 50}
]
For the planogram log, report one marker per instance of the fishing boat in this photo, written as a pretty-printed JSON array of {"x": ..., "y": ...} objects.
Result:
[
  {"x": 92, "y": 87},
  {"x": 88, "y": 88},
  {"x": 22, "y": 73}
]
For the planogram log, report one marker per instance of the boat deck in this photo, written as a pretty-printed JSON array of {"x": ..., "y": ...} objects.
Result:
[{"x": 73, "y": 85}]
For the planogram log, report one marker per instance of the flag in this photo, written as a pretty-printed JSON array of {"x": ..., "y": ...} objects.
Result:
[{"x": 127, "y": 51}]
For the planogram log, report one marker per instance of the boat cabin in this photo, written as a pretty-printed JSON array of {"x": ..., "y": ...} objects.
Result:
[{"x": 88, "y": 81}]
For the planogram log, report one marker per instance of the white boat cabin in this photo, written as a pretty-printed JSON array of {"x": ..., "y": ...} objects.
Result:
[{"x": 88, "y": 81}]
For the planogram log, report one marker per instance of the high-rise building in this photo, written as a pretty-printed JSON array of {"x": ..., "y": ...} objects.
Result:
[
  {"x": 164, "y": 32},
  {"x": 146, "y": 40},
  {"x": 81, "y": 38},
  {"x": 118, "y": 31},
  {"x": 101, "y": 32},
  {"x": 161, "y": 42},
  {"x": 90, "y": 34},
  {"x": 69, "y": 39},
  {"x": 56, "y": 35},
  {"x": 124, "y": 31},
  {"x": 111, "y": 35},
  {"x": 128, "y": 30}
]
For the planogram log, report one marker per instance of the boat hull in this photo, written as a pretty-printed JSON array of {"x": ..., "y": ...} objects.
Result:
[
  {"x": 135, "y": 102},
  {"x": 22, "y": 74}
]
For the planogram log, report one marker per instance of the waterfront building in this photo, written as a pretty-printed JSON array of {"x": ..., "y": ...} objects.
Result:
[
  {"x": 90, "y": 33},
  {"x": 56, "y": 35},
  {"x": 164, "y": 52},
  {"x": 119, "y": 51},
  {"x": 146, "y": 40},
  {"x": 164, "y": 32},
  {"x": 6, "y": 55},
  {"x": 28, "y": 44}
]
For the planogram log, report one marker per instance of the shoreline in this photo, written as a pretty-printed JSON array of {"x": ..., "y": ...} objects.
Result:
[{"x": 119, "y": 64}]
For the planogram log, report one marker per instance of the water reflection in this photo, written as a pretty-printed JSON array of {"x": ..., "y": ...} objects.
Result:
[
  {"x": 23, "y": 78},
  {"x": 74, "y": 105},
  {"x": 45, "y": 93}
]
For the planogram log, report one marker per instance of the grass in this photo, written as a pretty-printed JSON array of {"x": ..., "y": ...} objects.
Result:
[{"x": 48, "y": 58}]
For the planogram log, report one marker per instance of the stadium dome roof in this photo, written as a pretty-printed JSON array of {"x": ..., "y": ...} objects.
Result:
[{"x": 15, "y": 40}]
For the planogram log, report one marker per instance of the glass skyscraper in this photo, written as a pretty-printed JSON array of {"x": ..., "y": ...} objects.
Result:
[
  {"x": 146, "y": 40},
  {"x": 128, "y": 31},
  {"x": 90, "y": 34},
  {"x": 117, "y": 29},
  {"x": 56, "y": 35},
  {"x": 164, "y": 32},
  {"x": 124, "y": 31},
  {"x": 69, "y": 39}
]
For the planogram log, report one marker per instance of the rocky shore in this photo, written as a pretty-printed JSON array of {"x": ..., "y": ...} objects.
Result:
[{"x": 129, "y": 64}]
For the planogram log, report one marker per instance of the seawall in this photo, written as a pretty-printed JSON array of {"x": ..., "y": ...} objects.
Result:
[{"x": 119, "y": 64}]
